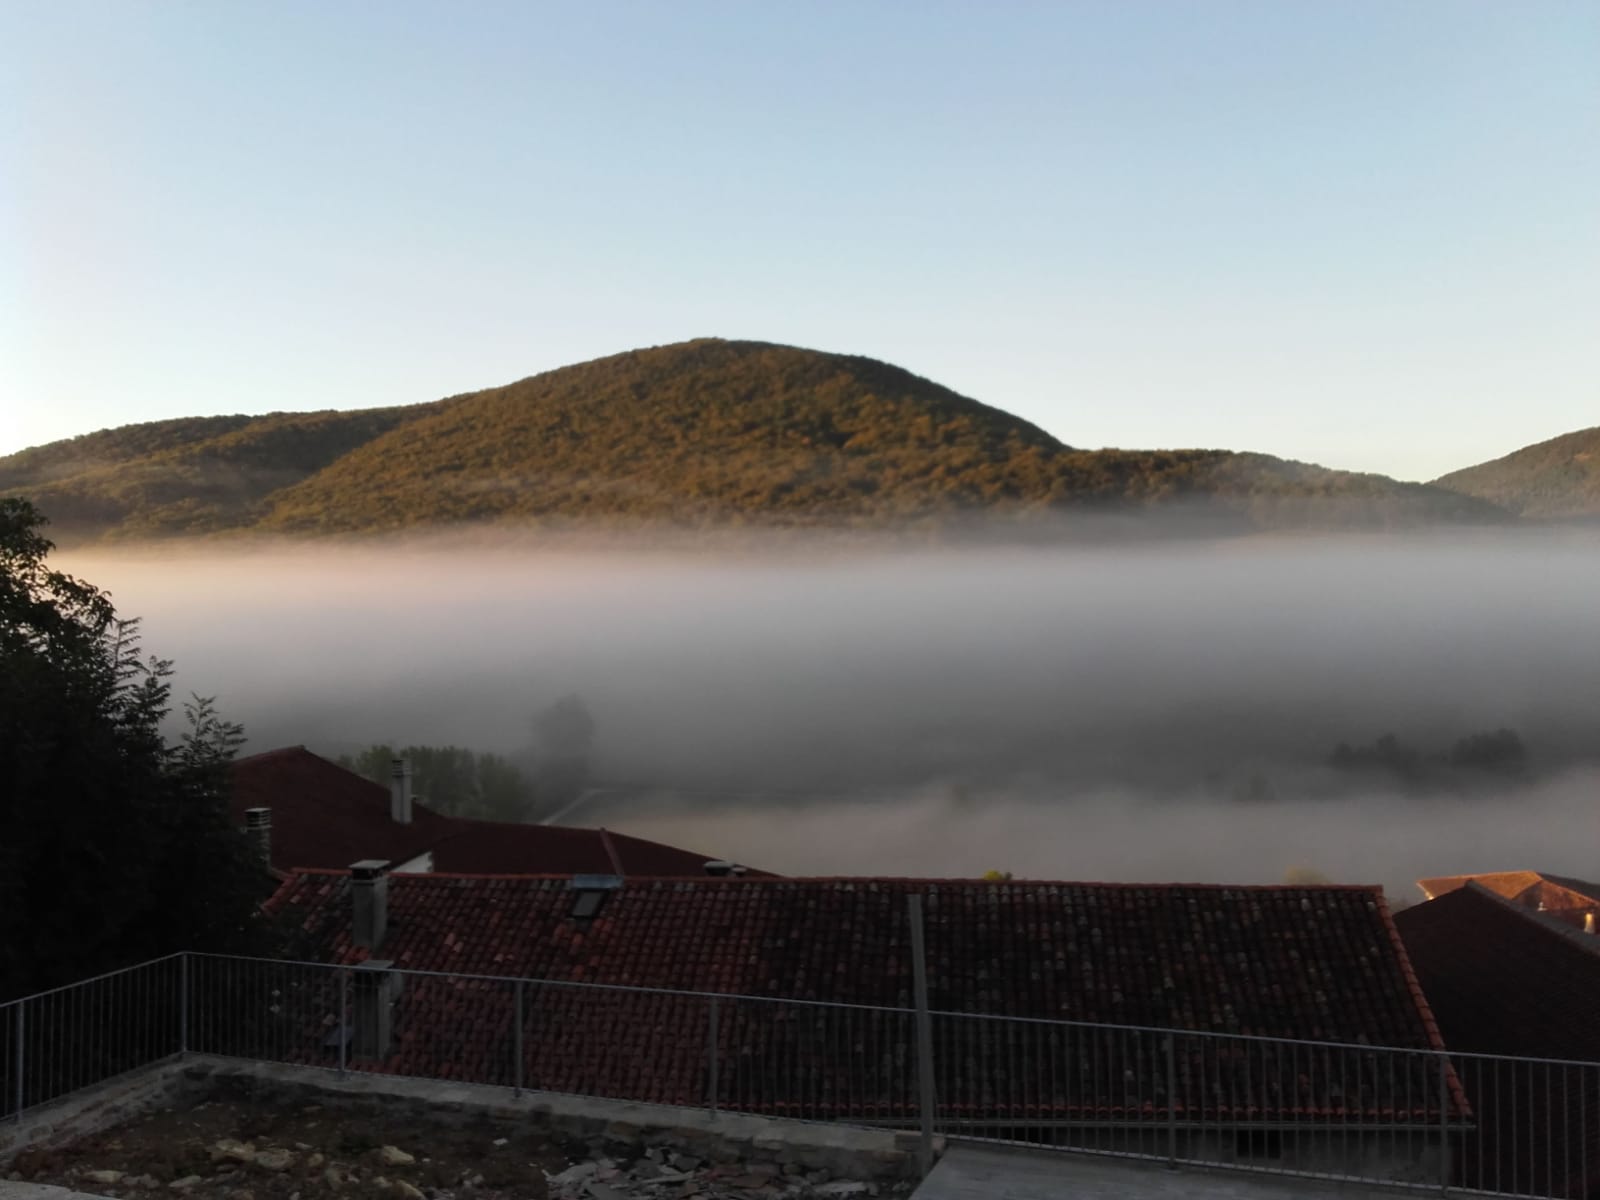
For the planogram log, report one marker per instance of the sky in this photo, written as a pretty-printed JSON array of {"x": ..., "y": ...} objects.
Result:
[{"x": 1364, "y": 234}]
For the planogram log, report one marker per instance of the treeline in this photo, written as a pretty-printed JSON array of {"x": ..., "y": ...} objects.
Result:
[
  {"x": 459, "y": 782},
  {"x": 1495, "y": 752},
  {"x": 454, "y": 780},
  {"x": 705, "y": 434}
]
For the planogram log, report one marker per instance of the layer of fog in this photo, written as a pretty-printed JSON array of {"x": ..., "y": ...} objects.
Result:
[{"x": 1093, "y": 712}]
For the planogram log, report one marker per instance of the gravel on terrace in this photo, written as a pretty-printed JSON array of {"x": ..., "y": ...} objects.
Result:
[{"x": 233, "y": 1149}]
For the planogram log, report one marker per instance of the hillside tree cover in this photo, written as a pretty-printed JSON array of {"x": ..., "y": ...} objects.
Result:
[
  {"x": 115, "y": 845},
  {"x": 706, "y": 434},
  {"x": 1556, "y": 479}
]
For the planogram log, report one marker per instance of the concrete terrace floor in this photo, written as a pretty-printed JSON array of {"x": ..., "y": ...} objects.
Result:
[{"x": 997, "y": 1173}]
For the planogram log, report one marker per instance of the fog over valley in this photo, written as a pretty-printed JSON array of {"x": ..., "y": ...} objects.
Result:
[{"x": 1153, "y": 711}]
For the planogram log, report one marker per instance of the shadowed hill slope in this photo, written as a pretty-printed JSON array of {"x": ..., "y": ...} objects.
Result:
[
  {"x": 1559, "y": 478},
  {"x": 185, "y": 477},
  {"x": 708, "y": 433}
]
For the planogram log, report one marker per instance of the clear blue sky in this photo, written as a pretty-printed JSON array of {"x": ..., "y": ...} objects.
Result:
[{"x": 1361, "y": 233}]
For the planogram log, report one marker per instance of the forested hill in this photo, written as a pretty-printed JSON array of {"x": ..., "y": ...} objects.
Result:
[
  {"x": 1559, "y": 478},
  {"x": 701, "y": 434}
]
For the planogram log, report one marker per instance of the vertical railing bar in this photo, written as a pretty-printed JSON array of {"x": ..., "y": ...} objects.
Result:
[
  {"x": 183, "y": 1003},
  {"x": 1532, "y": 1136},
  {"x": 1499, "y": 1158},
  {"x": 1446, "y": 1154},
  {"x": 1549, "y": 1140},
  {"x": 1172, "y": 1100},
  {"x": 516, "y": 1042},
  {"x": 1583, "y": 1124},
  {"x": 344, "y": 1018},
  {"x": 714, "y": 1065},
  {"x": 919, "y": 966},
  {"x": 22, "y": 1056},
  {"x": 1477, "y": 1119}
]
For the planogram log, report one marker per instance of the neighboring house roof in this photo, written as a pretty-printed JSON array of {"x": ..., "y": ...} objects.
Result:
[
  {"x": 1564, "y": 897},
  {"x": 500, "y": 848},
  {"x": 1315, "y": 963},
  {"x": 1504, "y": 979},
  {"x": 324, "y": 816}
]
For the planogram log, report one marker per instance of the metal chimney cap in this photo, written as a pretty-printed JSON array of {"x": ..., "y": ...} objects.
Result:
[
  {"x": 256, "y": 818},
  {"x": 369, "y": 868}
]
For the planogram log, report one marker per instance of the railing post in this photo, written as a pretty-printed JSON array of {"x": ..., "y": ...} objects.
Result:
[
  {"x": 20, "y": 1063},
  {"x": 516, "y": 1046},
  {"x": 183, "y": 1003},
  {"x": 713, "y": 1062},
  {"x": 1444, "y": 1123},
  {"x": 919, "y": 969},
  {"x": 344, "y": 1017},
  {"x": 1172, "y": 1100}
]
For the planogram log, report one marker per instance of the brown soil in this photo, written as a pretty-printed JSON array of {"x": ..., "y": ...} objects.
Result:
[{"x": 324, "y": 1151}]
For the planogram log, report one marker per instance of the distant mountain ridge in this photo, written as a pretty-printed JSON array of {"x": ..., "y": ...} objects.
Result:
[
  {"x": 707, "y": 433},
  {"x": 1554, "y": 479}
]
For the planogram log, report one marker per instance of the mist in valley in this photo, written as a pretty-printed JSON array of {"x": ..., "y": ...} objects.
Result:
[{"x": 1153, "y": 711}]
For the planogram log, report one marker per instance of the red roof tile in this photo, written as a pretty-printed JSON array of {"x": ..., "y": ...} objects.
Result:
[
  {"x": 1568, "y": 900},
  {"x": 1317, "y": 963},
  {"x": 324, "y": 816}
]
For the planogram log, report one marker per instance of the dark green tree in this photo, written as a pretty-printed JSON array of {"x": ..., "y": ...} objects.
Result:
[
  {"x": 1499, "y": 750},
  {"x": 453, "y": 780},
  {"x": 115, "y": 847},
  {"x": 565, "y": 735}
]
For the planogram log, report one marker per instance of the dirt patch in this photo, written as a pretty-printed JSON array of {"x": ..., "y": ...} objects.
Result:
[
  {"x": 235, "y": 1147},
  {"x": 229, "y": 1149}
]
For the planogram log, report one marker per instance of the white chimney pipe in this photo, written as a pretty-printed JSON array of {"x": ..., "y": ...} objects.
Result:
[{"x": 400, "y": 791}]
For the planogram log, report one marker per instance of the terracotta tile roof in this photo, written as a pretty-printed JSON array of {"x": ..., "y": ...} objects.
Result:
[
  {"x": 1567, "y": 899},
  {"x": 324, "y": 816},
  {"x": 1315, "y": 963},
  {"x": 498, "y": 848},
  {"x": 1503, "y": 979}
]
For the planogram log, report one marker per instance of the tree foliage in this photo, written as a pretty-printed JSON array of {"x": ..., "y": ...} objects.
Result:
[
  {"x": 703, "y": 434},
  {"x": 454, "y": 780},
  {"x": 1499, "y": 750},
  {"x": 1559, "y": 478},
  {"x": 1491, "y": 752},
  {"x": 115, "y": 846}
]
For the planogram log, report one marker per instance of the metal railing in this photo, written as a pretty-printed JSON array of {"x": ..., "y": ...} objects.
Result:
[
  {"x": 83, "y": 1035},
  {"x": 1429, "y": 1119}
]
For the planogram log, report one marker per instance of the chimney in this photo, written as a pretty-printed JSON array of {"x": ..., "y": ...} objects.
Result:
[
  {"x": 1588, "y": 922},
  {"x": 258, "y": 824},
  {"x": 400, "y": 791},
  {"x": 369, "y": 889},
  {"x": 376, "y": 989}
]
